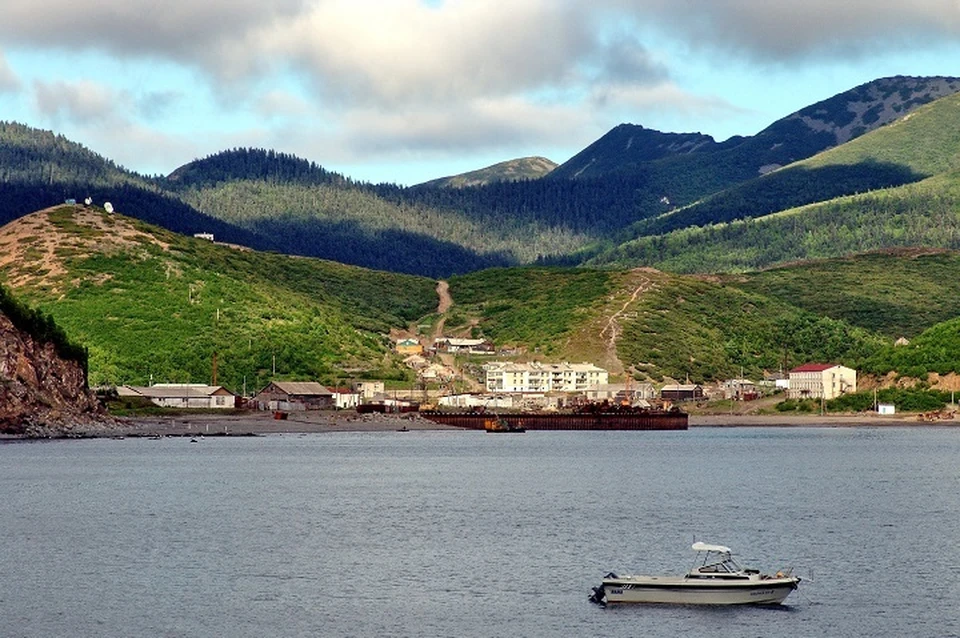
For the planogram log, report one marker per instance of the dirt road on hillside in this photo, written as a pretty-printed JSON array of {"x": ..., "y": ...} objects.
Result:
[{"x": 443, "y": 305}]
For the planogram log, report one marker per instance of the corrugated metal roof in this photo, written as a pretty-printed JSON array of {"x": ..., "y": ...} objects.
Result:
[
  {"x": 172, "y": 391},
  {"x": 303, "y": 388}
]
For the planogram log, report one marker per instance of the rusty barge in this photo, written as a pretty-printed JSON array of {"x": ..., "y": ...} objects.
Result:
[{"x": 600, "y": 419}]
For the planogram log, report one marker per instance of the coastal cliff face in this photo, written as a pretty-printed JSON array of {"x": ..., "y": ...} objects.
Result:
[{"x": 41, "y": 394}]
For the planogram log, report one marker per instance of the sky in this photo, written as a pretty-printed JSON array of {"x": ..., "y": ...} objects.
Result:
[{"x": 404, "y": 91}]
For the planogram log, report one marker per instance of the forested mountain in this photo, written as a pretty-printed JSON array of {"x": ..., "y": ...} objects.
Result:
[
  {"x": 39, "y": 169},
  {"x": 919, "y": 146},
  {"x": 810, "y": 130},
  {"x": 251, "y": 164},
  {"x": 626, "y": 146},
  {"x": 632, "y": 183},
  {"x": 509, "y": 171},
  {"x": 859, "y": 205}
]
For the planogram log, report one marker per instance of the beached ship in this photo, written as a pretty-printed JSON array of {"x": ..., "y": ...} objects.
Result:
[
  {"x": 717, "y": 579},
  {"x": 598, "y": 416}
]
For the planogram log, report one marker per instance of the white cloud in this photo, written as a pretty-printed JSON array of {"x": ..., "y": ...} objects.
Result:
[
  {"x": 362, "y": 52},
  {"x": 366, "y": 78},
  {"x": 82, "y": 102},
  {"x": 792, "y": 29},
  {"x": 276, "y": 104},
  {"x": 476, "y": 125},
  {"x": 665, "y": 96},
  {"x": 9, "y": 82}
]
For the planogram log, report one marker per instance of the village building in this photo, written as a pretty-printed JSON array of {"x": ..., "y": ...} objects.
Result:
[
  {"x": 470, "y": 401},
  {"x": 682, "y": 392},
  {"x": 503, "y": 376},
  {"x": 416, "y": 361},
  {"x": 294, "y": 396},
  {"x": 621, "y": 392},
  {"x": 436, "y": 372},
  {"x": 184, "y": 395},
  {"x": 345, "y": 398},
  {"x": 453, "y": 345},
  {"x": 408, "y": 347},
  {"x": 740, "y": 390},
  {"x": 776, "y": 380},
  {"x": 821, "y": 380},
  {"x": 369, "y": 390}
]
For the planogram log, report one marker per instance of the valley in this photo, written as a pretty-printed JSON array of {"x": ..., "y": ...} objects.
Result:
[{"x": 828, "y": 236}]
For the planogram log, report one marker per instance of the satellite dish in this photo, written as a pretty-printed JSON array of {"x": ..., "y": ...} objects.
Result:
[
  {"x": 108, "y": 207},
  {"x": 88, "y": 201}
]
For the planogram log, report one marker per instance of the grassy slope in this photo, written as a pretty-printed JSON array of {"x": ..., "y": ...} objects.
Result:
[
  {"x": 895, "y": 293},
  {"x": 145, "y": 309},
  {"x": 679, "y": 326},
  {"x": 923, "y": 214},
  {"x": 534, "y": 307},
  {"x": 701, "y": 329},
  {"x": 926, "y": 142}
]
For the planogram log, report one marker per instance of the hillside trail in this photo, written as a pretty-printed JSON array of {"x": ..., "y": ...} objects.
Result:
[
  {"x": 612, "y": 326},
  {"x": 597, "y": 340},
  {"x": 445, "y": 301}
]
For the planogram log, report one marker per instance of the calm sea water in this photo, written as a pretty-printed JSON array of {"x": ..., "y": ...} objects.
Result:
[{"x": 467, "y": 534}]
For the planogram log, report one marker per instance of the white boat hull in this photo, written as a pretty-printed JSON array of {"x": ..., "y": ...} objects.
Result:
[{"x": 683, "y": 591}]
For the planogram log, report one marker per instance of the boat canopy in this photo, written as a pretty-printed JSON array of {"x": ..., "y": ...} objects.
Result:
[{"x": 705, "y": 547}]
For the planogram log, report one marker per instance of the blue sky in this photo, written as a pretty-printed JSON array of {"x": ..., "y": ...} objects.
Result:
[{"x": 408, "y": 90}]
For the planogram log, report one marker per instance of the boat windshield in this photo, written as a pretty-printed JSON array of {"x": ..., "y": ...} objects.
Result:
[{"x": 713, "y": 562}]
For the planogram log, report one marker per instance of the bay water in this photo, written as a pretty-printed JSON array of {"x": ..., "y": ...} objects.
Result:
[{"x": 449, "y": 533}]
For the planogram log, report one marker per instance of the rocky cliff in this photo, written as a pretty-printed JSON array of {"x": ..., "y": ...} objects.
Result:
[{"x": 42, "y": 394}]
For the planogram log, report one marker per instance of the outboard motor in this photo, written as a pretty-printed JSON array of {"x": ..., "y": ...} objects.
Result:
[{"x": 597, "y": 596}]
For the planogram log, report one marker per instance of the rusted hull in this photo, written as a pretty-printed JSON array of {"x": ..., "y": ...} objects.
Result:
[{"x": 547, "y": 421}]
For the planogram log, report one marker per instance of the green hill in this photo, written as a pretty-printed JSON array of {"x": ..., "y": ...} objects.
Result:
[
  {"x": 897, "y": 293},
  {"x": 924, "y": 143},
  {"x": 923, "y": 214},
  {"x": 658, "y": 325},
  {"x": 150, "y": 304},
  {"x": 715, "y": 166}
]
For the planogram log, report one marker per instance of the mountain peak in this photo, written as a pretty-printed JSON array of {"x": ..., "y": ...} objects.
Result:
[{"x": 509, "y": 171}]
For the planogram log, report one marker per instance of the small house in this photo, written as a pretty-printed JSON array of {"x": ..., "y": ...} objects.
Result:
[
  {"x": 740, "y": 390},
  {"x": 682, "y": 392},
  {"x": 368, "y": 390},
  {"x": 294, "y": 396},
  {"x": 184, "y": 395},
  {"x": 621, "y": 392},
  {"x": 464, "y": 346},
  {"x": 408, "y": 347},
  {"x": 345, "y": 398}
]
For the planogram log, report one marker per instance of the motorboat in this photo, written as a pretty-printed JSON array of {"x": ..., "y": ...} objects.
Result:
[
  {"x": 499, "y": 425},
  {"x": 716, "y": 579}
]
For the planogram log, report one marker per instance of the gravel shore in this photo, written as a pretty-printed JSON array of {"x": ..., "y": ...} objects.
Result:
[{"x": 255, "y": 423}]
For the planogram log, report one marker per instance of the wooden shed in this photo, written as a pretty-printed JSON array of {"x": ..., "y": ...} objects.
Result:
[
  {"x": 294, "y": 396},
  {"x": 681, "y": 392}
]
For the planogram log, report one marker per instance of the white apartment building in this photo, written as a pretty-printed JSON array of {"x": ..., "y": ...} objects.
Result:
[
  {"x": 816, "y": 380},
  {"x": 504, "y": 376}
]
